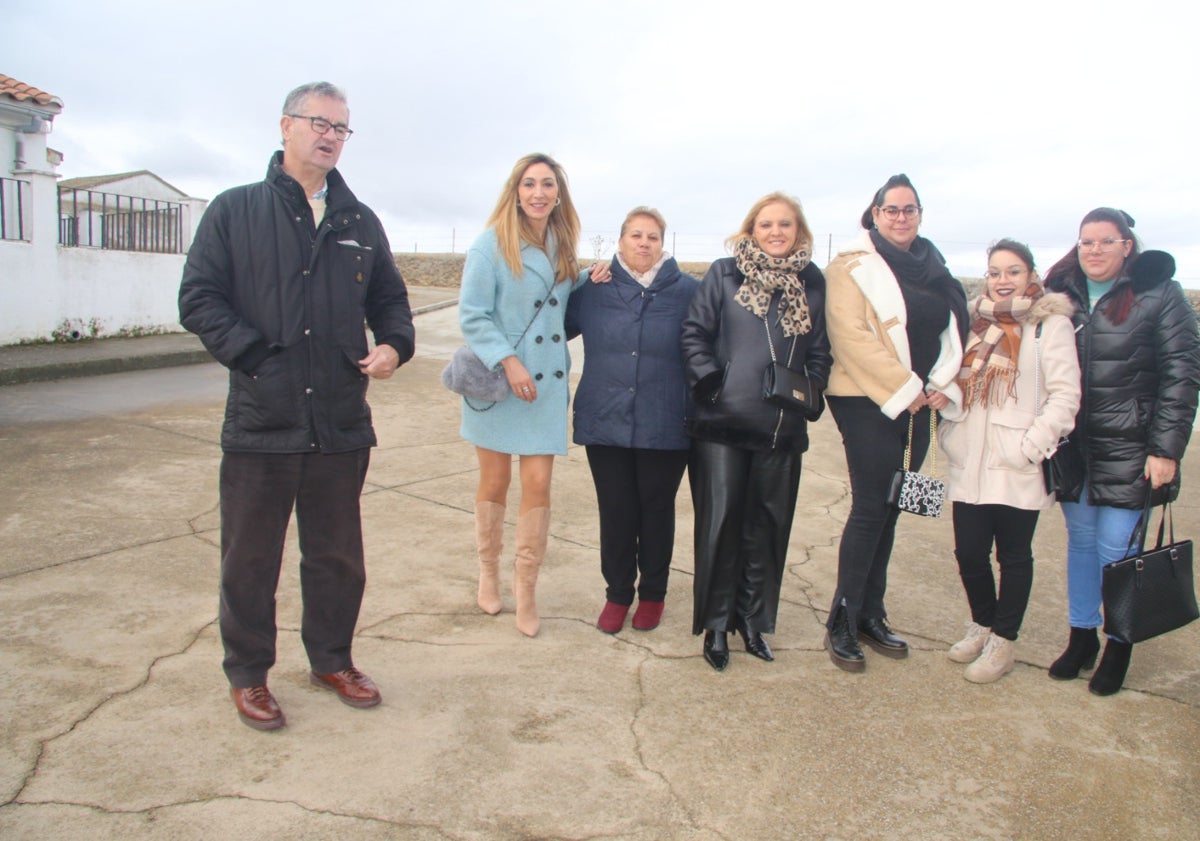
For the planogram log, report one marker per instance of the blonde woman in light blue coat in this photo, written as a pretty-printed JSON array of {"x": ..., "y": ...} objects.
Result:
[{"x": 515, "y": 285}]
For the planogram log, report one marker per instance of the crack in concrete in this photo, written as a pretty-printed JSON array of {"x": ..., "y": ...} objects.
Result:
[
  {"x": 639, "y": 751},
  {"x": 217, "y": 798},
  {"x": 97, "y": 555},
  {"x": 113, "y": 696}
]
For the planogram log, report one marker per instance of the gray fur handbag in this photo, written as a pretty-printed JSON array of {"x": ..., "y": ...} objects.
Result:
[{"x": 467, "y": 375}]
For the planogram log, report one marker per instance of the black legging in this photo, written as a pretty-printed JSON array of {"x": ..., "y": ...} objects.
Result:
[
  {"x": 975, "y": 529},
  {"x": 874, "y": 450}
]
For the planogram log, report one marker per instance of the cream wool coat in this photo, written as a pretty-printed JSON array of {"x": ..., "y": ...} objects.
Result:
[
  {"x": 866, "y": 319},
  {"x": 994, "y": 453}
]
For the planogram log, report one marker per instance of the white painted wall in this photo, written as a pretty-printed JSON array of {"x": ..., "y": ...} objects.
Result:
[{"x": 47, "y": 288}]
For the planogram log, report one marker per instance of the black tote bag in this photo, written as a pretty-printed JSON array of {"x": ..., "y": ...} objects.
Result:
[{"x": 1152, "y": 592}]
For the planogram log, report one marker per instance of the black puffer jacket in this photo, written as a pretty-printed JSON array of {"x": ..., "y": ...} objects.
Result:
[
  {"x": 1140, "y": 378},
  {"x": 281, "y": 303},
  {"x": 725, "y": 353}
]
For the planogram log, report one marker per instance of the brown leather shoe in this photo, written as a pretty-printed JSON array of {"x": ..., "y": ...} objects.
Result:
[
  {"x": 351, "y": 685},
  {"x": 257, "y": 708}
]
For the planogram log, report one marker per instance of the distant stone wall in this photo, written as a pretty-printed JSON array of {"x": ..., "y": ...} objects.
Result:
[{"x": 445, "y": 270}]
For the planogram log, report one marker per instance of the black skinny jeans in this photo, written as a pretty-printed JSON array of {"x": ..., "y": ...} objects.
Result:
[
  {"x": 976, "y": 527},
  {"x": 635, "y": 490},
  {"x": 874, "y": 451},
  {"x": 258, "y": 493}
]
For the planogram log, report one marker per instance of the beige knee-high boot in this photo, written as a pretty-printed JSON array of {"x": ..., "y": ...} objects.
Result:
[
  {"x": 533, "y": 527},
  {"x": 489, "y": 539}
]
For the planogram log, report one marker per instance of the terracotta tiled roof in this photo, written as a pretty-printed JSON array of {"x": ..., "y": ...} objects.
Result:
[{"x": 22, "y": 92}]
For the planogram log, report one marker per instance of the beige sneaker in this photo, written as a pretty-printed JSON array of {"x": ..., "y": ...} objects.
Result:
[
  {"x": 970, "y": 646},
  {"x": 994, "y": 663}
]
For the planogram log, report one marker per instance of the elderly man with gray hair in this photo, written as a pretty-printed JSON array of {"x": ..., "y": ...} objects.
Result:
[{"x": 278, "y": 283}]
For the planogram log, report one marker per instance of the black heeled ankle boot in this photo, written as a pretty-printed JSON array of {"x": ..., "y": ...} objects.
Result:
[
  {"x": 755, "y": 644},
  {"x": 842, "y": 643},
  {"x": 716, "y": 649},
  {"x": 1081, "y": 653},
  {"x": 1110, "y": 674}
]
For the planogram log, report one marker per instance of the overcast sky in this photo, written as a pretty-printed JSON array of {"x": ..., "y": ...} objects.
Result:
[{"x": 1012, "y": 119}]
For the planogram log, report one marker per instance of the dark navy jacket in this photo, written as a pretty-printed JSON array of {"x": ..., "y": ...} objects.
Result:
[{"x": 632, "y": 392}]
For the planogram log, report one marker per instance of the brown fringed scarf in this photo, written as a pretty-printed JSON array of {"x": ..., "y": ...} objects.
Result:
[
  {"x": 766, "y": 274},
  {"x": 989, "y": 367}
]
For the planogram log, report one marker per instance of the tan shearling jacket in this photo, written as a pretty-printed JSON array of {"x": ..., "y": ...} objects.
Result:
[{"x": 866, "y": 319}]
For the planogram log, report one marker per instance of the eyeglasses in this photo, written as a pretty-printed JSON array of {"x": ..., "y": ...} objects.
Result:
[
  {"x": 321, "y": 125},
  {"x": 910, "y": 211},
  {"x": 1102, "y": 245}
]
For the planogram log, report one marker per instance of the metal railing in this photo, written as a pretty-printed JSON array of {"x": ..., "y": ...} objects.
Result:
[
  {"x": 120, "y": 223},
  {"x": 14, "y": 207}
]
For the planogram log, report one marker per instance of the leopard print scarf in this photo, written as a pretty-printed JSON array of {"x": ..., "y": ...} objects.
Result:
[{"x": 765, "y": 275}]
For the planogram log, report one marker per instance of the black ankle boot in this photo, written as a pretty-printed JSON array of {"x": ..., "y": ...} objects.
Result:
[
  {"x": 755, "y": 644},
  {"x": 1080, "y": 654},
  {"x": 843, "y": 644},
  {"x": 1110, "y": 674},
  {"x": 716, "y": 649}
]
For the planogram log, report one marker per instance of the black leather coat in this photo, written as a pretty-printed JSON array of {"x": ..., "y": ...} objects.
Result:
[
  {"x": 725, "y": 353},
  {"x": 1140, "y": 378},
  {"x": 281, "y": 303}
]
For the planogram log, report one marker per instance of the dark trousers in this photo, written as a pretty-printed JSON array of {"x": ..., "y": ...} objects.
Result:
[
  {"x": 258, "y": 493},
  {"x": 976, "y": 528},
  {"x": 745, "y": 501},
  {"x": 635, "y": 490},
  {"x": 874, "y": 451}
]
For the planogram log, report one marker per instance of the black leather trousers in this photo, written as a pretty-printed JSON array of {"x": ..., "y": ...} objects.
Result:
[{"x": 745, "y": 501}]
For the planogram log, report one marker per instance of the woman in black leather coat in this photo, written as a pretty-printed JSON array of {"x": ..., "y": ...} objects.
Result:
[
  {"x": 1139, "y": 355},
  {"x": 766, "y": 302}
]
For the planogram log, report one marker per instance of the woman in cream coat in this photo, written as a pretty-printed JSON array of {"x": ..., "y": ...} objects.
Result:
[{"x": 1020, "y": 383}]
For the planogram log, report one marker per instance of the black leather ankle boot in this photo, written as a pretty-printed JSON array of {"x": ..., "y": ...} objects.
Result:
[
  {"x": 1080, "y": 654},
  {"x": 1110, "y": 674},
  {"x": 842, "y": 643}
]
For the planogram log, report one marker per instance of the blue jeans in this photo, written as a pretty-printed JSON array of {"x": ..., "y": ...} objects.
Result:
[{"x": 1096, "y": 535}]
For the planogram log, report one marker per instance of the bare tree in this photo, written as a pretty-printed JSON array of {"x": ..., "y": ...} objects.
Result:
[{"x": 600, "y": 244}]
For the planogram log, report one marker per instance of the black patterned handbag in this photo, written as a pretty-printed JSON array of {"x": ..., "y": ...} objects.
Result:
[
  {"x": 915, "y": 492},
  {"x": 1152, "y": 592}
]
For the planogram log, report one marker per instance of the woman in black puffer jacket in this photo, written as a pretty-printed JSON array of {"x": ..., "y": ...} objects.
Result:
[
  {"x": 766, "y": 302},
  {"x": 1139, "y": 355}
]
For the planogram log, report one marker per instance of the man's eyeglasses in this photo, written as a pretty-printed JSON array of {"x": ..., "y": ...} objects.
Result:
[
  {"x": 321, "y": 125},
  {"x": 892, "y": 212},
  {"x": 1102, "y": 245}
]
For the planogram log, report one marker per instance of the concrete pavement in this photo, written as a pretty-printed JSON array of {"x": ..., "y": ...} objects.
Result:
[{"x": 118, "y": 723}]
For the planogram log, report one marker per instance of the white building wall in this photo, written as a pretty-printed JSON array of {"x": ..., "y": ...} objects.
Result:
[{"x": 47, "y": 290}]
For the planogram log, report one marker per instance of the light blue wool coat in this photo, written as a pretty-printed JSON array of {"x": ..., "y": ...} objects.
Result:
[{"x": 493, "y": 309}]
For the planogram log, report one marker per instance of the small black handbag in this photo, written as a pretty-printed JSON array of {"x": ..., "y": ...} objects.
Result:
[
  {"x": 1152, "y": 592},
  {"x": 790, "y": 389},
  {"x": 1063, "y": 473}
]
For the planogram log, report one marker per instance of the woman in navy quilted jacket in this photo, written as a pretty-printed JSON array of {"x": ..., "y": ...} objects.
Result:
[
  {"x": 631, "y": 411},
  {"x": 1139, "y": 354}
]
